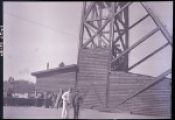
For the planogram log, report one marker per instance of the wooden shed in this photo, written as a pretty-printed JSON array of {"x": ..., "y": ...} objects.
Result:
[{"x": 56, "y": 78}]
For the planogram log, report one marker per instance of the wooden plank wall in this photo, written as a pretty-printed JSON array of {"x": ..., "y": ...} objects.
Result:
[
  {"x": 55, "y": 81},
  {"x": 154, "y": 101},
  {"x": 92, "y": 76}
]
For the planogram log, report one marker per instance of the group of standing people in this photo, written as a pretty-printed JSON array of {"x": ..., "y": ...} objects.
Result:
[
  {"x": 67, "y": 100},
  {"x": 71, "y": 98},
  {"x": 46, "y": 99}
]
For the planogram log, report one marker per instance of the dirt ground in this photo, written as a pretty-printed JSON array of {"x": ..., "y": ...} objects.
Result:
[{"x": 10, "y": 112}]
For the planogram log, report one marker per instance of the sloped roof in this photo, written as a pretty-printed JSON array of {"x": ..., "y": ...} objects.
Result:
[{"x": 67, "y": 68}]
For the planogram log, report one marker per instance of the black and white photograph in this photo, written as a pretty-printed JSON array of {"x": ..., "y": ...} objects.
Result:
[{"x": 87, "y": 59}]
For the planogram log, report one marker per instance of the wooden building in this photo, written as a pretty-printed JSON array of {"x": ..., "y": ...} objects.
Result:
[
  {"x": 108, "y": 90},
  {"x": 54, "y": 79}
]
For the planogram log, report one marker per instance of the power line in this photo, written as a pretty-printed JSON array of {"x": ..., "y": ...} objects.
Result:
[{"x": 39, "y": 24}]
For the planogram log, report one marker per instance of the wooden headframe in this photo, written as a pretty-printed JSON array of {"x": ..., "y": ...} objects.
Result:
[{"x": 106, "y": 25}]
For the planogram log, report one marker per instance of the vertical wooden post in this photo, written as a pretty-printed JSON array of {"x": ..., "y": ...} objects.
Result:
[
  {"x": 99, "y": 26},
  {"x": 82, "y": 25},
  {"x": 80, "y": 39},
  {"x": 110, "y": 56},
  {"x": 76, "y": 78},
  {"x": 126, "y": 16}
]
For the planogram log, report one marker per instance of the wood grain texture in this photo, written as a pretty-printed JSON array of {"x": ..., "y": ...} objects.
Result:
[
  {"x": 93, "y": 72},
  {"x": 56, "y": 81},
  {"x": 156, "y": 99}
]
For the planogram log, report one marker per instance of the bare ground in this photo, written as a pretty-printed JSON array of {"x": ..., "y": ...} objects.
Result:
[{"x": 10, "y": 112}]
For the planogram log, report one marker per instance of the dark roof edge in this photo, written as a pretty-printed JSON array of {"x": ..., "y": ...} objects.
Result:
[{"x": 66, "y": 67}]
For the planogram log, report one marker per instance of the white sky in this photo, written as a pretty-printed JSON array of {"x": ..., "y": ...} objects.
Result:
[{"x": 39, "y": 32}]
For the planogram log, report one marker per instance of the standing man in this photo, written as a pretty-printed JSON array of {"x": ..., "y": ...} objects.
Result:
[
  {"x": 76, "y": 101},
  {"x": 66, "y": 104}
]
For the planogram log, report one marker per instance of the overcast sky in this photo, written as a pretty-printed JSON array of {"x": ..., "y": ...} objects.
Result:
[{"x": 39, "y": 32}]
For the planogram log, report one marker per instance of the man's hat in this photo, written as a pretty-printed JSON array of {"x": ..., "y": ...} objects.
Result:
[
  {"x": 70, "y": 89},
  {"x": 76, "y": 91}
]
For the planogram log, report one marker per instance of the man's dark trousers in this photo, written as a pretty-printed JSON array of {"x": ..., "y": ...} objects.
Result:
[{"x": 76, "y": 111}]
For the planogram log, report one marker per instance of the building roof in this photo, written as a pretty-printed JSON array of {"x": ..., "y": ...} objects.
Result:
[{"x": 66, "y": 68}]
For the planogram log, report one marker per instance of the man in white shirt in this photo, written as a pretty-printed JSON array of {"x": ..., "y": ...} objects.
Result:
[{"x": 66, "y": 104}]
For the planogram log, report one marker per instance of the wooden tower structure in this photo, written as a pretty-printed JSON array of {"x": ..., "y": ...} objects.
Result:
[{"x": 104, "y": 77}]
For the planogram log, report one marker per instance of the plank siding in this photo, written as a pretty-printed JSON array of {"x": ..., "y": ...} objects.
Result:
[
  {"x": 55, "y": 81},
  {"x": 156, "y": 99},
  {"x": 92, "y": 84},
  {"x": 92, "y": 75}
]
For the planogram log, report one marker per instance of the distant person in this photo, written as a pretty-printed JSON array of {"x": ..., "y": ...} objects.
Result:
[
  {"x": 54, "y": 99},
  {"x": 10, "y": 93},
  {"x": 40, "y": 99},
  {"x": 76, "y": 101},
  {"x": 9, "y": 97},
  {"x": 58, "y": 101},
  {"x": 66, "y": 104},
  {"x": 45, "y": 98},
  {"x": 48, "y": 100}
]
